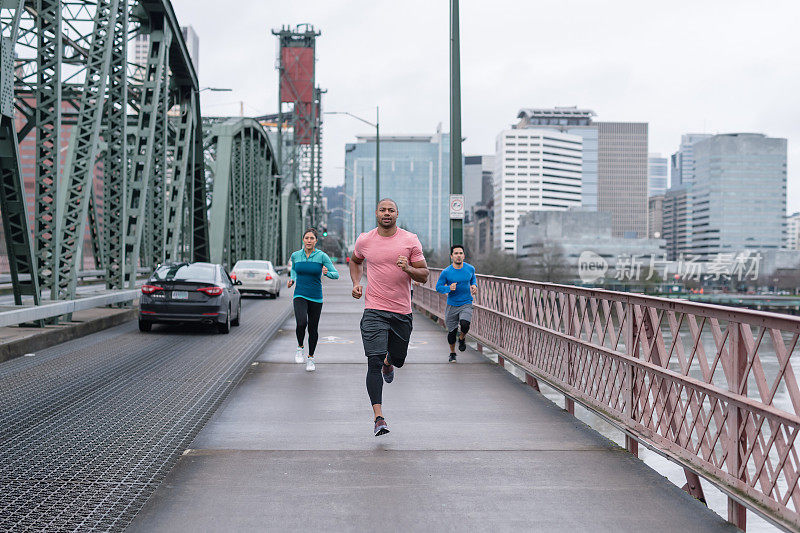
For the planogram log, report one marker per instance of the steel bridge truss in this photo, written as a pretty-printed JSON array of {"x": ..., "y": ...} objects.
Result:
[
  {"x": 133, "y": 181},
  {"x": 250, "y": 214}
]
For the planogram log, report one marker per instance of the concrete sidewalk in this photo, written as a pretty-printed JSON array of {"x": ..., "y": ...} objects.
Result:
[{"x": 470, "y": 448}]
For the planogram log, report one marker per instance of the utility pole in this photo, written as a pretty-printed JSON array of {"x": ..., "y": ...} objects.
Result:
[{"x": 456, "y": 186}]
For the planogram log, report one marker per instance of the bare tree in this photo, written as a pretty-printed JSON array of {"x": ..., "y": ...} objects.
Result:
[
  {"x": 498, "y": 263},
  {"x": 547, "y": 263}
]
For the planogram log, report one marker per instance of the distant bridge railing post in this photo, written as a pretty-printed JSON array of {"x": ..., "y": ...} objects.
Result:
[{"x": 713, "y": 388}]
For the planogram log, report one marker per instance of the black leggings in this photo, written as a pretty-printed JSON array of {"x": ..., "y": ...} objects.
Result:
[
  {"x": 306, "y": 313},
  {"x": 451, "y": 336}
]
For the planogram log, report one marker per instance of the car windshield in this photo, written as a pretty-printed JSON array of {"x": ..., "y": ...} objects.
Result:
[
  {"x": 263, "y": 265},
  {"x": 185, "y": 272}
]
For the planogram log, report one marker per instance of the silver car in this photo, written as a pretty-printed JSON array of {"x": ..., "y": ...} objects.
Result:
[{"x": 257, "y": 277}]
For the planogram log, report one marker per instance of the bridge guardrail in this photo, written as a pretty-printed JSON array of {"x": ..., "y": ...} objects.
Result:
[
  {"x": 711, "y": 387},
  {"x": 22, "y": 315}
]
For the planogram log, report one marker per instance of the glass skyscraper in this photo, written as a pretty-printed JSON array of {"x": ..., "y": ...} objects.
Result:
[
  {"x": 657, "y": 174},
  {"x": 682, "y": 161},
  {"x": 415, "y": 173},
  {"x": 738, "y": 194}
]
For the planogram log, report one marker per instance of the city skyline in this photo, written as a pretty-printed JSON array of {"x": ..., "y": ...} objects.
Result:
[{"x": 606, "y": 60}]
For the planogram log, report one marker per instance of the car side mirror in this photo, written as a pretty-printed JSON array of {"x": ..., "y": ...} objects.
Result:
[{"x": 237, "y": 282}]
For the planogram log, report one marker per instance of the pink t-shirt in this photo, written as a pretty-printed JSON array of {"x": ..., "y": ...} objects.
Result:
[{"x": 388, "y": 287}]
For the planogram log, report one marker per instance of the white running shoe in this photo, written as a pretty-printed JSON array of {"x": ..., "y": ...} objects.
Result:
[
  {"x": 298, "y": 355},
  {"x": 310, "y": 366}
]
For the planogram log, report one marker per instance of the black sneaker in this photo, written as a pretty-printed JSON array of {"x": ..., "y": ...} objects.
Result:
[
  {"x": 462, "y": 344},
  {"x": 380, "y": 426},
  {"x": 452, "y": 357}
]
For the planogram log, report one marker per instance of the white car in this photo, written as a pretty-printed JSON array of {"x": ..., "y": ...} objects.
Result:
[{"x": 257, "y": 277}]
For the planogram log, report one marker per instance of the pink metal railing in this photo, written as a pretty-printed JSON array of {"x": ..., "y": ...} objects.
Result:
[{"x": 709, "y": 386}]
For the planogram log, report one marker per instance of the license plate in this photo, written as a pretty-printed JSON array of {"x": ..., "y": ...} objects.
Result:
[
  {"x": 180, "y": 295},
  {"x": 251, "y": 275}
]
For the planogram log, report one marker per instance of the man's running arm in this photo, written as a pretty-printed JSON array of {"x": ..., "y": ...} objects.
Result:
[
  {"x": 356, "y": 272},
  {"x": 418, "y": 270},
  {"x": 441, "y": 284}
]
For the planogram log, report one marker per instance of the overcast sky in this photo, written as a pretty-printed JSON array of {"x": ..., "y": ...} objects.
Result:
[{"x": 713, "y": 66}]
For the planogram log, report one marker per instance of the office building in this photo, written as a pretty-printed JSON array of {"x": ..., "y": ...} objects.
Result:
[
  {"x": 415, "y": 172},
  {"x": 677, "y": 221},
  {"x": 655, "y": 217},
  {"x": 682, "y": 161},
  {"x": 738, "y": 194},
  {"x": 657, "y": 175},
  {"x": 622, "y": 176},
  {"x": 793, "y": 231},
  {"x": 576, "y": 232},
  {"x": 477, "y": 180},
  {"x": 535, "y": 169},
  {"x": 193, "y": 45},
  {"x": 573, "y": 121},
  {"x": 141, "y": 47}
]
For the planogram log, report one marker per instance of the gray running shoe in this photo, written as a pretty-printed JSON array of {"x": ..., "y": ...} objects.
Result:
[{"x": 380, "y": 426}]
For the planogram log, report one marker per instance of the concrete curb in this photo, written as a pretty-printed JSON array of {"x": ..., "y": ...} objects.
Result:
[{"x": 50, "y": 337}]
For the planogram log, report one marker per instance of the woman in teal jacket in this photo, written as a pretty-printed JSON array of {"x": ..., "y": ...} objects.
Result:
[{"x": 308, "y": 267}]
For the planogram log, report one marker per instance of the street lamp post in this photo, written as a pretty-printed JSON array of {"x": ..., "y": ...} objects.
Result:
[
  {"x": 215, "y": 90},
  {"x": 377, "y": 127}
]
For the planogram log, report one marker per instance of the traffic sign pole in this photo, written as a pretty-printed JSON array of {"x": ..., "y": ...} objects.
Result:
[{"x": 456, "y": 187}]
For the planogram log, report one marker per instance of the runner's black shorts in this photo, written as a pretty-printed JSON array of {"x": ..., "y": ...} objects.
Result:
[{"x": 385, "y": 332}]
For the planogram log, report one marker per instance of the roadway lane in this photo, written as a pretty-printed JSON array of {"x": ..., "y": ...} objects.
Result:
[{"x": 89, "y": 428}]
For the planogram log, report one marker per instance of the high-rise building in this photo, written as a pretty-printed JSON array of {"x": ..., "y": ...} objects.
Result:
[
  {"x": 575, "y": 122},
  {"x": 738, "y": 194},
  {"x": 622, "y": 176},
  {"x": 193, "y": 45},
  {"x": 415, "y": 173},
  {"x": 655, "y": 217},
  {"x": 337, "y": 209},
  {"x": 477, "y": 172},
  {"x": 682, "y": 161},
  {"x": 793, "y": 231},
  {"x": 535, "y": 170},
  {"x": 657, "y": 174},
  {"x": 141, "y": 47},
  {"x": 677, "y": 220}
]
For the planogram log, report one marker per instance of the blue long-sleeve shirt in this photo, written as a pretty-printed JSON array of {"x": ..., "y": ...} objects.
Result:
[
  {"x": 463, "y": 277},
  {"x": 307, "y": 274}
]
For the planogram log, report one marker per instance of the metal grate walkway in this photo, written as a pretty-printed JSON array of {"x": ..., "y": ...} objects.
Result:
[{"x": 90, "y": 428}]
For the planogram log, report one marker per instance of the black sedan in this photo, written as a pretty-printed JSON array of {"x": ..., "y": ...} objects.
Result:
[{"x": 201, "y": 293}]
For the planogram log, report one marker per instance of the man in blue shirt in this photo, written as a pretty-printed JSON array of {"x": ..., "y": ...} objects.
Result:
[{"x": 459, "y": 283}]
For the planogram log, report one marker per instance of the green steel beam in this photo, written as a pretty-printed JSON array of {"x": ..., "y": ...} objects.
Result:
[
  {"x": 47, "y": 121},
  {"x": 95, "y": 235},
  {"x": 200, "y": 244},
  {"x": 14, "y": 213},
  {"x": 144, "y": 148},
  {"x": 158, "y": 178},
  {"x": 179, "y": 176},
  {"x": 73, "y": 199},
  {"x": 115, "y": 164}
]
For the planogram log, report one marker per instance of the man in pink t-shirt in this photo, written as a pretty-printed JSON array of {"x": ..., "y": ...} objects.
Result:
[{"x": 394, "y": 257}]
